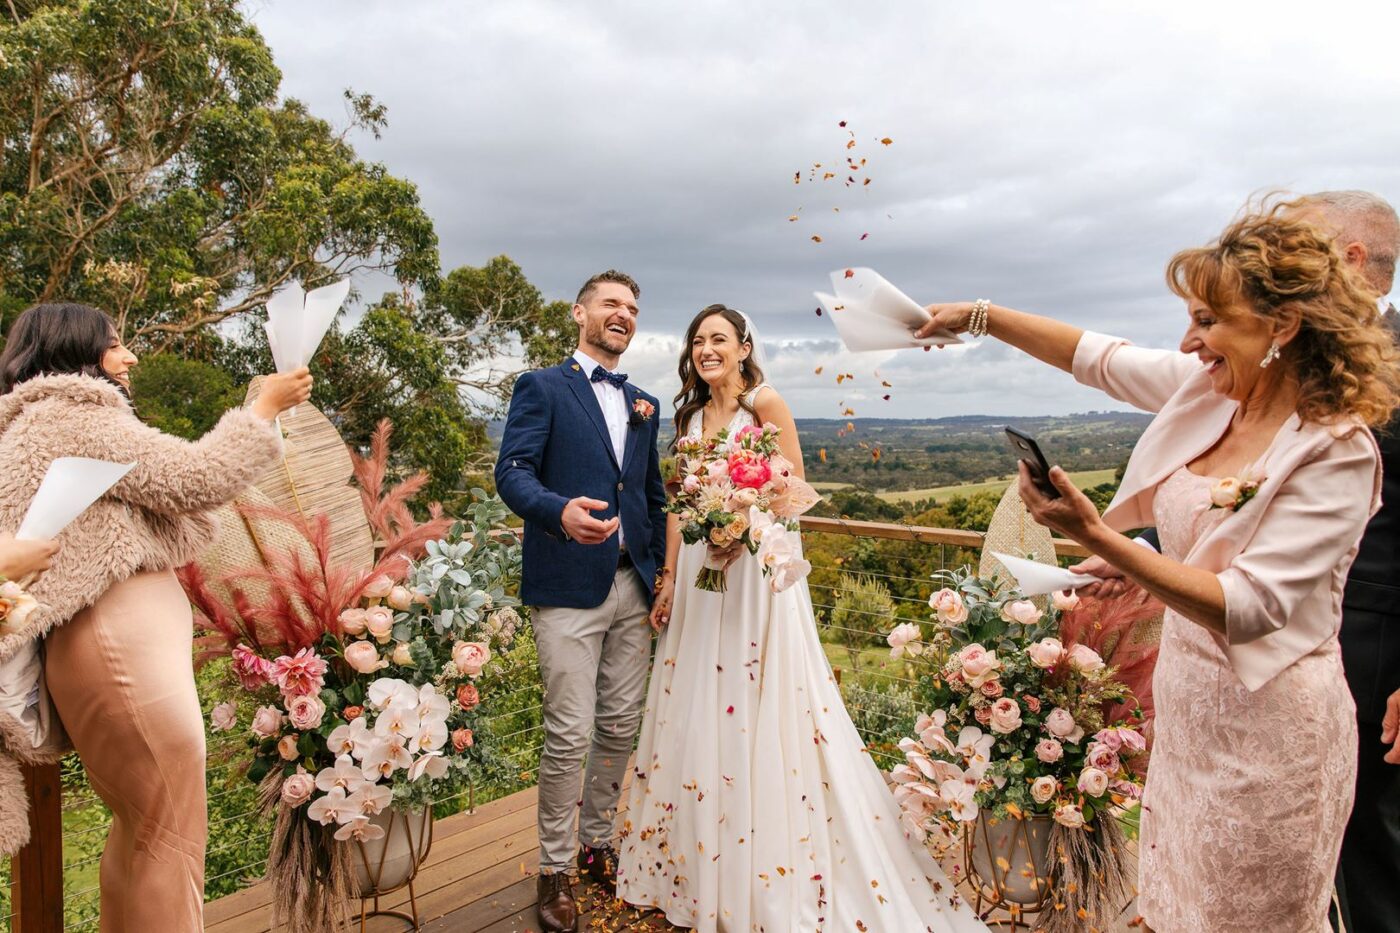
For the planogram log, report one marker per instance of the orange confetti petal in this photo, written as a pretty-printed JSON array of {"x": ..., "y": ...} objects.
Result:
[
  {"x": 822, "y": 454},
  {"x": 886, "y": 141},
  {"x": 819, "y": 370},
  {"x": 792, "y": 218},
  {"x": 850, "y": 273},
  {"x": 851, "y": 144},
  {"x": 816, "y": 239}
]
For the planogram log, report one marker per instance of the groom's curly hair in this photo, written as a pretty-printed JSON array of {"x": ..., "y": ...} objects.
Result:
[{"x": 612, "y": 275}]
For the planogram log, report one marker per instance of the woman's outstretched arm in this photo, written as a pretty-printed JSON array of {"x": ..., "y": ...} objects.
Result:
[{"x": 1046, "y": 339}]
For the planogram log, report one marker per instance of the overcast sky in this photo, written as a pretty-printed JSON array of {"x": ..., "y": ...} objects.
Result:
[{"x": 1048, "y": 156}]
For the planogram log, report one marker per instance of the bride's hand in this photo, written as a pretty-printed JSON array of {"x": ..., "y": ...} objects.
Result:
[
  {"x": 661, "y": 603},
  {"x": 952, "y": 317},
  {"x": 724, "y": 557}
]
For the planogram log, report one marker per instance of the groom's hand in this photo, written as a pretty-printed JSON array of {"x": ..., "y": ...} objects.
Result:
[
  {"x": 581, "y": 526},
  {"x": 1390, "y": 728}
]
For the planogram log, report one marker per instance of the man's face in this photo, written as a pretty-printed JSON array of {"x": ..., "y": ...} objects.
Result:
[{"x": 607, "y": 318}]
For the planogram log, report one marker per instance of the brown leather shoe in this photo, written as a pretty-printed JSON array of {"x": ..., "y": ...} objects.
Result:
[
  {"x": 557, "y": 911},
  {"x": 600, "y": 864}
]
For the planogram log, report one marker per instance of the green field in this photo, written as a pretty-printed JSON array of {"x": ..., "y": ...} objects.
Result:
[{"x": 1083, "y": 480}]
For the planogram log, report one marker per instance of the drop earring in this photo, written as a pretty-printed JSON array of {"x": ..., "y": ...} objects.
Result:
[{"x": 1269, "y": 357}]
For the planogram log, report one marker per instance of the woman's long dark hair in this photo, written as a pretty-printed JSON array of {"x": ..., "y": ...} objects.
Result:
[
  {"x": 55, "y": 339},
  {"x": 695, "y": 392}
]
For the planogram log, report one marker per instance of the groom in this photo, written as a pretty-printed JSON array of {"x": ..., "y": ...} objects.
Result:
[{"x": 578, "y": 463}]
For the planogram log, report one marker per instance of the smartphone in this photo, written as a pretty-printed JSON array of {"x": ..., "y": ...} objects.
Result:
[{"x": 1028, "y": 451}]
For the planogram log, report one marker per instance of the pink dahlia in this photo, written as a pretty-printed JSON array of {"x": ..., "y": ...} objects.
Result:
[{"x": 300, "y": 675}]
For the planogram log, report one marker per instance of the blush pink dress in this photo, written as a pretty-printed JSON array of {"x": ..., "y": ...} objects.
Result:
[{"x": 1248, "y": 793}]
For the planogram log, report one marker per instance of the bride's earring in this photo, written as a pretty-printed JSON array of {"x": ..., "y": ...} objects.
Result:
[{"x": 1269, "y": 357}]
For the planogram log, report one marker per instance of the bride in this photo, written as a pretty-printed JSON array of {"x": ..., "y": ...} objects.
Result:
[{"x": 754, "y": 806}]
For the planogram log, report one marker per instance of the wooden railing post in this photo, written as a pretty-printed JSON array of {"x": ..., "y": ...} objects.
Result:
[{"x": 36, "y": 873}]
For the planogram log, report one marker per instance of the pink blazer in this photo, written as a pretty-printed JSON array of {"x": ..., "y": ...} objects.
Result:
[{"x": 1282, "y": 559}]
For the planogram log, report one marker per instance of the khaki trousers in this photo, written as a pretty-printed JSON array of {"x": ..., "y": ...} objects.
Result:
[{"x": 593, "y": 663}]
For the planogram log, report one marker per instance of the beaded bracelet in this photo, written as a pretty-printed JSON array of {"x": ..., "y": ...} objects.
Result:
[{"x": 977, "y": 324}]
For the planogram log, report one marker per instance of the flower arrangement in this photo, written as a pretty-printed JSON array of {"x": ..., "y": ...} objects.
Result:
[
  {"x": 1024, "y": 718},
  {"x": 1233, "y": 492},
  {"x": 741, "y": 490}
]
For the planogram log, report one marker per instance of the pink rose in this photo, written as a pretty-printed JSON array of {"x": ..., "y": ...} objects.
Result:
[
  {"x": 748, "y": 469},
  {"x": 287, "y": 748},
  {"x": 378, "y": 587},
  {"x": 353, "y": 621},
  {"x": 983, "y": 715},
  {"x": 691, "y": 483},
  {"x": 402, "y": 656},
  {"x": 1046, "y": 653},
  {"x": 470, "y": 657},
  {"x": 1032, "y": 703},
  {"x": 1110, "y": 738},
  {"x": 363, "y": 657},
  {"x": 1064, "y": 600},
  {"x": 223, "y": 717},
  {"x": 251, "y": 669},
  {"x": 468, "y": 697},
  {"x": 1069, "y": 815},
  {"x": 717, "y": 470},
  {"x": 742, "y": 499},
  {"x": 297, "y": 788},
  {"x": 1225, "y": 493},
  {"x": 462, "y": 739},
  {"x": 978, "y": 664},
  {"x": 1020, "y": 610},
  {"x": 306, "y": 712},
  {"x": 303, "y": 673},
  {"x": 267, "y": 722},
  {"x": 380, "y": 622},
  {"x": 1061, "y": 724},
  {"x": 1102, "y": 757},
  {"x": 1093, "y": 782},
  {"x": 399, "y": 598},
  {"x": 1049, "y": 751},
  {"x": 992, "y": 689},
  {"x": 1043, "y": 789},
  {"x": 901, "y": 637},
  {"x": 1121, "y": 737},
  {"x": 949, "y": 606},
  {"x": 1085, "y": 659},
  {"x": 1127, "y": 789},
  {"x": 1006, "y": 716},
  {"x": 352, "y": 712}
]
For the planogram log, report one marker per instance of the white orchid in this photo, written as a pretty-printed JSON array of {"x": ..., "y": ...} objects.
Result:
[
  {"x": 344, "y": 774},
  {"x": 359, "y": 828},
  {"x": 330, "y": 808},
  {"x": 370, "y": 799},
  {"x": 387, "y": 691},
  {"x": 433, "y": 764},
  {"x": 384, "y": 757}
]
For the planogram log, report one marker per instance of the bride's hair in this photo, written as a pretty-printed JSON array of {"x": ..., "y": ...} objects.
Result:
[{"x": 695, "y": 392}]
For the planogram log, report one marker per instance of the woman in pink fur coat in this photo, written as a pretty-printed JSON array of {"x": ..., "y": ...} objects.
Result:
[{"x": 115, "y": 624}]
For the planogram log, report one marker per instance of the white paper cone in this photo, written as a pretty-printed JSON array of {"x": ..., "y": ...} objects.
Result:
[
  {"x": 871, "y": 314},
  {"x": 1037, "y": 579},
  {"x": 70, "y": 486}
]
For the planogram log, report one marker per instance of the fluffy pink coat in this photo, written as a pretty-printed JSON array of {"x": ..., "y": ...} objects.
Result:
[{"x": 156, "y": 518}]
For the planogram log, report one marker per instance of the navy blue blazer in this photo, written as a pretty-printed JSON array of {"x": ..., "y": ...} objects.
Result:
[{"x": 556, "y": 447}]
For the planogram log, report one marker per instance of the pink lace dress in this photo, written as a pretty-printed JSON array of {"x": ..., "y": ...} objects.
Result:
[{"x": 1248, "y": 793}]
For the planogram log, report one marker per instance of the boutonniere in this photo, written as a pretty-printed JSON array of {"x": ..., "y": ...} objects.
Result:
[
  {"x": 1233, "y": 492},
  {"x": 642, "y": 410}
]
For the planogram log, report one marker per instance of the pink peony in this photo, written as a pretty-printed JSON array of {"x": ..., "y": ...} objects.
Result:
[
  {"x": 251, "y": 669},
  {"x": 1085, "y": 659},
  {"x": 1093, "y": 782},
  {"x": 1102, "y": 757},
  {"x": 223, "y": 717},
  {"x": 353, "y": 621},
  {"x": 1061, "y": 725},
  {"x": 470, "y": 657},
  {"x": 1020, "y": 610},
  {"x": 287, "y": 748},
  {"x": 949, "y": 606},
  {"x": 748, "y": 470},
  {"x": 468, "y": 697},
  {"x": 399, "y": 598},
  {"x": 1044, "y": 788},
  {"x": 691, "y": 483},
  {"x": 306, "y": 712},
  {"x": 267, "y": 722},
  {"x": 363, "y": 657},
  {"x": 378, "y": 587},
  {"x": 1046, "y": 653},
  {"x": 297, "y": 788},
  {"x": 462, "y": 739},
  {"x": 1006, "y": 716},
  {"x": 303, "y": 673},
  {"x": 742, "y": 499},
  {"x": 1049, "y": 751},
  {"x": 380, "y": 622}
]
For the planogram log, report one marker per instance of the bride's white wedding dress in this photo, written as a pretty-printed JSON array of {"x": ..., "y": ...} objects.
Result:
[{"x": 754, "y": 806}]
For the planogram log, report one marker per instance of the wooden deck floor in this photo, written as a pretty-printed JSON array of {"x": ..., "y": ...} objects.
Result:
[{"x": 479, "y": 878}]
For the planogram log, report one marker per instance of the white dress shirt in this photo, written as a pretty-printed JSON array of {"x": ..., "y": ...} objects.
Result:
[{"x": 613, "y": 401}]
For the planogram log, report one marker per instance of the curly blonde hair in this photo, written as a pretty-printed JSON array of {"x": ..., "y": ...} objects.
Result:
[{"x": 1274, "y": 263}]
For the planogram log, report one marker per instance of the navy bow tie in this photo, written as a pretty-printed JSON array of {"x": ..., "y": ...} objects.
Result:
[{"x": 617, "y": 379}]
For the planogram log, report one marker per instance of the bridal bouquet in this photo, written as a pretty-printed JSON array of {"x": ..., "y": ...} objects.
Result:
[
  {"x": 1023, "y": 719},
  {"x": 742, "y": 490}
]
